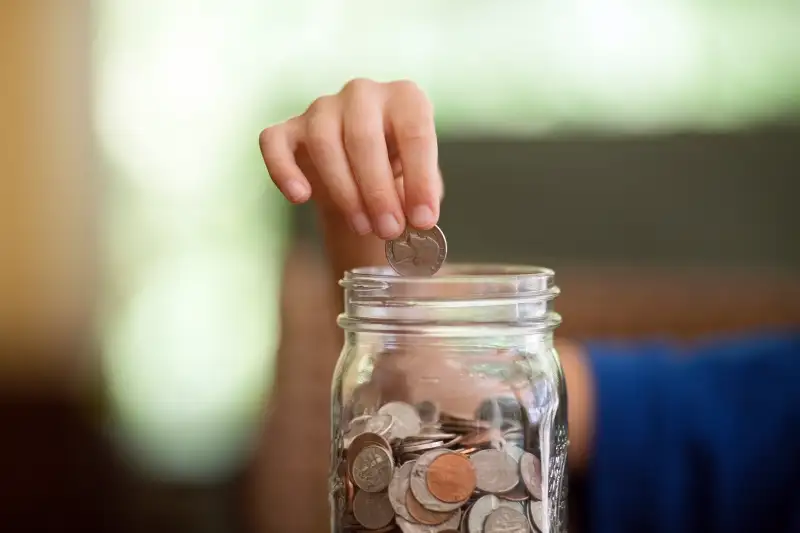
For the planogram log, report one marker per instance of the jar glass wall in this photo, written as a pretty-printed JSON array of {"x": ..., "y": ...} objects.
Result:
[{"x": 449, "y": 404}]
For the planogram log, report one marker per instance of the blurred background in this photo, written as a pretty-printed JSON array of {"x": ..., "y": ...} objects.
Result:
[{"x": 167, "y": 323}]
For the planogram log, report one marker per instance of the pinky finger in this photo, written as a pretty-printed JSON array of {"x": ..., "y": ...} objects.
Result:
[{"x": 277, "y": 148}]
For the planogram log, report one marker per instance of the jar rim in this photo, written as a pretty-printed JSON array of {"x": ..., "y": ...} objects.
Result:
[{"x": 455, "y": 272}]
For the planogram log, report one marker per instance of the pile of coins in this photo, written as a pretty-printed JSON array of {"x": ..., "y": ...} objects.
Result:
[{"x": 404, "y": 469}]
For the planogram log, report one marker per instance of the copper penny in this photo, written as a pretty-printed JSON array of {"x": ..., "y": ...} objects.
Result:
[
  {"x": 423, "y": 515},
  {"x": 451, "y": 478}
]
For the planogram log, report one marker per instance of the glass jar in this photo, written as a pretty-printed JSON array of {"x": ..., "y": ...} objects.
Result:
[{"x": 449, "y": 403}]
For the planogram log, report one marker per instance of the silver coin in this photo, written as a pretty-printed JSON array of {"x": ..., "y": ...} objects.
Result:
[
  {"x": 372, "y": 509},
  {"x": 407, "y": 526},
  {"x": 372, "y": 469},
  {"x": 398, "y": 488},
  {"x": 530, "y": 469},
  {"x": 406, "y": 420},
  {"x": 380, "y": 424},
  {"x": 514, "y": 451},
  {"x": 536, "y": 513},
  {"x": 484, "y": 507},
  {"x": 421, "y": 446},
  {"x": 357, "y": 426},
  {"x": 417, "y": 252},
  {"x": 506, "y": 520},
  {"x": 496, "y": 470},
  {"x": 419, "y": 484}
]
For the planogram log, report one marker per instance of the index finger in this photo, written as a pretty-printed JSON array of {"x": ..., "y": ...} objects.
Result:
[{"x": 410, "y": 119}]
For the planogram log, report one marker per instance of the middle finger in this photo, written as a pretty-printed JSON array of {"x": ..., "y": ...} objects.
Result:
[{"x": 365, "y": 144}]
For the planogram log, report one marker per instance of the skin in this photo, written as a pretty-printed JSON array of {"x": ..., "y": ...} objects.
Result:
[{"x": 368, "y": 157}]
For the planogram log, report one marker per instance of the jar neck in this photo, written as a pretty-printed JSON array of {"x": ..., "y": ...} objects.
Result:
[{"x": 460, "y": 301}]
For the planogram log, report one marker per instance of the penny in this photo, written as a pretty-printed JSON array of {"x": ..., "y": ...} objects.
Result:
[
  {"x": 451, "y": 478},
  {"x": 406, "y": 419},
  {"x": 372, "y": 469},
  {"x": 372, "y": 509},
  {"x": 483, "y": 508},
  {"x": 417, "y": 252},
  {"x": 530, "y": 469},
  {"x": 496, "y": 470},
  {"x": 398, "y": 489},
  {"x": 423, "y": 515},
  {"x": 419, "y": 483},
  {"x": 536, "y": 514},
  {"x": 506, "y": 520}
]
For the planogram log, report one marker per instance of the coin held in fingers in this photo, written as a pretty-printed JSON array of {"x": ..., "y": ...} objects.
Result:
[{"x": 417, "y": 252}]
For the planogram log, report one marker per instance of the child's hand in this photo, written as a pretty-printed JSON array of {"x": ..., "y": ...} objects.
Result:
[{"x": 368, "y": 152}]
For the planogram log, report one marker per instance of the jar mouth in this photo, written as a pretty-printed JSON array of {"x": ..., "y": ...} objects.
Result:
[
  {"x": 456, "y": 272},
  {"x": 464, "y": 298}
]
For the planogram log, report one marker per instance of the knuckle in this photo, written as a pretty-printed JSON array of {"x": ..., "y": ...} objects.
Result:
[
  {"x": 358, "y": 86},
  {"x": 406, "y": 87},
  {"x": 266, "y": 138},
  {"x": 321, "y": 106},
  {"x": 320, "y": 134},
  {"x": 414, "y": 130},
  {"x": 377, "y": 197}
]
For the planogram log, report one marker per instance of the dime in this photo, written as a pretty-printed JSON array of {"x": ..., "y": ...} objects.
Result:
[
  {"x": 530, "y": 469},
  {"x": 506, "y": 520},
  {"x": 419, "y": 483},
  {"x": 496, "y": 470},
  {"x": 406, "y": 419},
  {"x": 422, "y": 446},
  {"x": 398, "y": 489},
  {"x": 483, "y": 508},
  {"x": 536, "y": 513},
  {"x": 372, "y": 509},
  {"x": 451, "y": 478},
  {"x": 417, "y": 252},
  {"x": 372, "y": 468},
  {"x": 407, "y": 526},
  {"x": 423, "y": 515}
]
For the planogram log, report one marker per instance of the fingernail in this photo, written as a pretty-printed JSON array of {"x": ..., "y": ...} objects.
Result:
[
  {"x": 296, "y": 191},
  {"x": 422, "y": 217},
  {"x": 360, "y": 224},
  {"x": 388, "y": 225}
]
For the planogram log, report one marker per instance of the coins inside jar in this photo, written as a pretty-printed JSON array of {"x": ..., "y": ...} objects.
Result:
[{"x": 438, "y": 474}]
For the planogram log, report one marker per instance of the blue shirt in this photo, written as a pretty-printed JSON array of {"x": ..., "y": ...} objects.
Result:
[{"x": 700, "y": 440}]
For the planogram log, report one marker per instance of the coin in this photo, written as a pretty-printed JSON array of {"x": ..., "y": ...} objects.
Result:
[
  {"x": 496, "y": 470},
  {"x": 417, "y": 252},
  {"x": 419, "y": 483},
  {"x": 372, "y": 509},
  {"x": 380, "y": 424},
  {"x": 536, "y": 514},
  {"x": 483, "y": 508},
  {"x": 506, "y": 520},
  {"x": 361, "y": 442},
  {"x": 406, "y": 419},
  {"x": 398, "y": 488},
  {"x": 407, "y": 526},
  {"x": 530, "y": 469},
  {"x": 373, "y": 468},
  {"x": 423, "y": 515},
  {"x": 451, "y": 478}
]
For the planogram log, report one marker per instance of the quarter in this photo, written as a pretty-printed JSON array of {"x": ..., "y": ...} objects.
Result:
[{"x": 417, "y": 252}]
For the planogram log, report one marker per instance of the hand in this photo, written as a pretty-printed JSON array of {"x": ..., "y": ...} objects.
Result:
[{"x": 368, "y": 154}]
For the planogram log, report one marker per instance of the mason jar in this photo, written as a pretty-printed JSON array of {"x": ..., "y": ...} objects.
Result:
[{"x": 449, "y": 403}]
